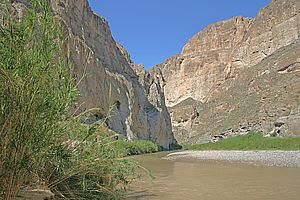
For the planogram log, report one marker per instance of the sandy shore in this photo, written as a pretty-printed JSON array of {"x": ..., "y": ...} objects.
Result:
[{"x": 265, "y": 158}]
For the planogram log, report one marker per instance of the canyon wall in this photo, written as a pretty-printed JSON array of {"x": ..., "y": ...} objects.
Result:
[
  {"x": 106, "y": 75},
  {"x": 210, "y": 88},
  {"x": 235, "y": 76}
]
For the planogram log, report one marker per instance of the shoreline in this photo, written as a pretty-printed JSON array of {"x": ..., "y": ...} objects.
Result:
[{"x": 271, "y": 158}]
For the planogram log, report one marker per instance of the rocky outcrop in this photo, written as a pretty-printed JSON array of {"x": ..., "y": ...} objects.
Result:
[
  {"x": 238, "y": 73},
  {"x": 288, "y": 124}
]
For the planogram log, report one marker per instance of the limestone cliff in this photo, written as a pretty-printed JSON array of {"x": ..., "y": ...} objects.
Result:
[
  {"x": 105, "y": 75},
  {"x": 236, "y": 74}
]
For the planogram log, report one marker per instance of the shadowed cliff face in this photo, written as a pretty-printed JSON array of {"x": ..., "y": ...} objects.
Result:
[
  {"x": 106, "y": 75},
  {"x": 240, "y": 73}
]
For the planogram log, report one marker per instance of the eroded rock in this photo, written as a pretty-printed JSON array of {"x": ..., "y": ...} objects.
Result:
[
  {"x": 107, "y": 76},
  {"x": 242, "y": 71}
]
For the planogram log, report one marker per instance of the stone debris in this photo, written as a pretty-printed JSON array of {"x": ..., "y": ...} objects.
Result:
[
  {"x": 264, "y": 158},
  {"x": 35, "y": 194}
]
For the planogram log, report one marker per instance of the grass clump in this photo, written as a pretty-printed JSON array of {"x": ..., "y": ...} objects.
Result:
[
  {"x": 127, "y": 148},
  {"x": 251, "y": 141},
  {"x": 91, "y": 168}
]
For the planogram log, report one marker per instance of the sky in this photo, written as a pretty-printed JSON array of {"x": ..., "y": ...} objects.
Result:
[{"x": 154, "y": 30}]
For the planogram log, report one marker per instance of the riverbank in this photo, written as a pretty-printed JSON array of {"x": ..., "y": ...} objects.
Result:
[
  {"x": 251, "y": 141},
  {"x": 262, "y": 158}
]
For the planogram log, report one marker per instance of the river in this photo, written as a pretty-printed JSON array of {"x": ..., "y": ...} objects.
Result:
[{"x": 211, "y": 180}]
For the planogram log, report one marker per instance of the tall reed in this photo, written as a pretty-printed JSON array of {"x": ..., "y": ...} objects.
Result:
[
  {"x": 36, "y": 92},
  {"x": 37, "y": 133}
]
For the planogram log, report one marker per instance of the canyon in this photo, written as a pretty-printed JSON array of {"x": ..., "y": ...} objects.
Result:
[{"x": 233, "y": 77}]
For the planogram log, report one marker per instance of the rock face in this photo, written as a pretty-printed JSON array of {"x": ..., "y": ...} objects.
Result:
[
  {"x": 106, "y": 75},
  {"x": 203, "y": 61},
  {"x": 240, "y": 74}
]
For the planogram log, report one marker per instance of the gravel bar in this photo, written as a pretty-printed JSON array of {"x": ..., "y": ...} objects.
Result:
[{"x": 265, "y": 158}]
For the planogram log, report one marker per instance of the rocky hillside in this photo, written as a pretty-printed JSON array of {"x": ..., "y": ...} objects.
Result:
[
  {"x": 105, "y": 75},
  {"x": 237, "y": 75}
]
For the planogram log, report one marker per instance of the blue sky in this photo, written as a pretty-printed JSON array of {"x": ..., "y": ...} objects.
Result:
[{"x": 154, "y": 30}]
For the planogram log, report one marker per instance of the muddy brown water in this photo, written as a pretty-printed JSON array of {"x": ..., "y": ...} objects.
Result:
[{"x": 211, "y": 180}]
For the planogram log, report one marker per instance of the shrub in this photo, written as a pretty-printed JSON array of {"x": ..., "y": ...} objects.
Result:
[
  {"x": 141, "y": 147},
  {"x": 36, "y": 93},
  {"x": 93, "y": 169},
  {"x": 126, "y": 148},
  {"x": 40, "y": 142}
]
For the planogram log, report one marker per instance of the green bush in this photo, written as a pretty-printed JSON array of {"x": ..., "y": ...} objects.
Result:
[
  {"x": 124, "y": 148},
  {"x": 41, "y": 143},
  {"x": 141, "y": 147},
  {"x": 93, "y": 170},
  {"x": 36, "y": 93}
]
